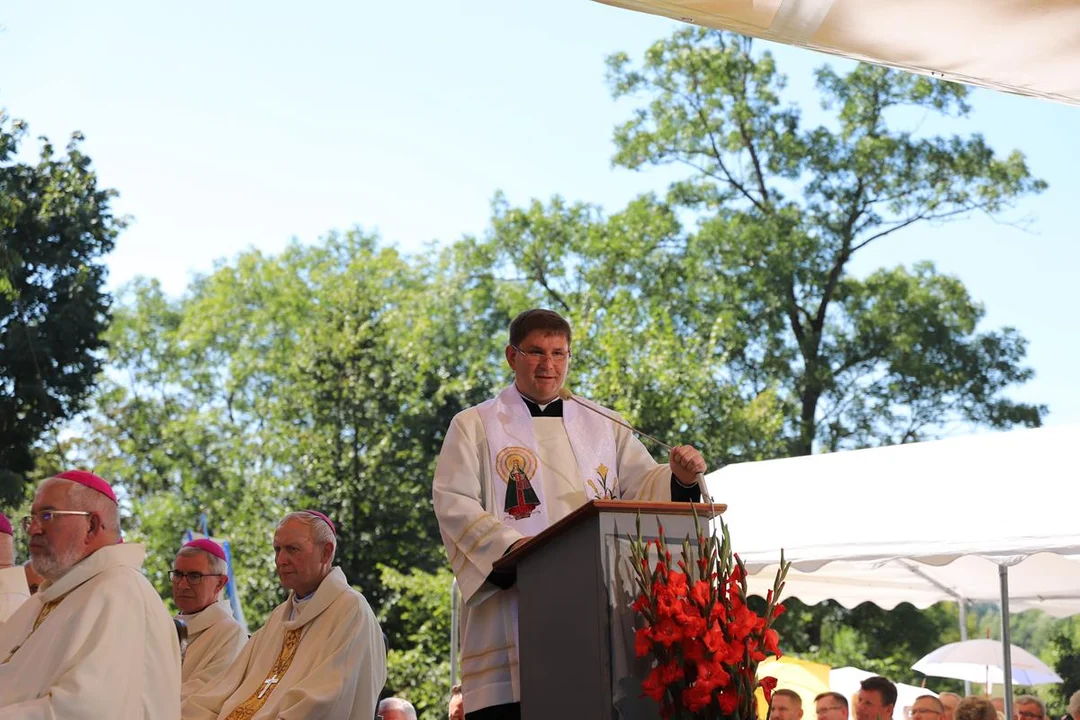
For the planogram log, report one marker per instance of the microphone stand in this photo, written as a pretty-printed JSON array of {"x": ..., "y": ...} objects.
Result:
[{"x": 565, "y": 394}]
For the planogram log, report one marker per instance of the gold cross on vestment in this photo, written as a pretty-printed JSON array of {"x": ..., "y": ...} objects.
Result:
[{"x": 268, "y": 684}]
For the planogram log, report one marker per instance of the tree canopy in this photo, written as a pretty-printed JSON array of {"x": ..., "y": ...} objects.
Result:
[{"x": 56, "y": 225}]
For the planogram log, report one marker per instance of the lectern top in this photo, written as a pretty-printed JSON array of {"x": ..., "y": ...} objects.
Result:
[{"x": 705, "y": 511}]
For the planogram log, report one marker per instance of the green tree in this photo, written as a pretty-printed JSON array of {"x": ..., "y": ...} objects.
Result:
[
  {"x": 1066, "y": 662},
  {"x": 320, "y": 377},
  {"x": 645, "y": 342},
  {"x": 56, "y": 224},
  {"x": 418, "y": 664},
  {"x": 783, "y": 209}
]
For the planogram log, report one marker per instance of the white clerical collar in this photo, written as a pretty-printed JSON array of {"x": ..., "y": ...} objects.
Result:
[
  {"x": 542, "y": 407},
  {"x": 297, "y": 604}
]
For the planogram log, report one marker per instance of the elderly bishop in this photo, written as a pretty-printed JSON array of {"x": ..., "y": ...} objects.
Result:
[
  {"x": 95, "y": 641},
  {"x": 199, "y": 574},
  {"x": 320, "y": 655}
]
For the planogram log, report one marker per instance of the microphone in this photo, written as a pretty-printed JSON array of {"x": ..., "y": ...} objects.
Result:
[{"x": 565, "y": 395}]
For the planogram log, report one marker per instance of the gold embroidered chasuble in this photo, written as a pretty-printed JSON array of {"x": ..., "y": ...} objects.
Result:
[{"x": 327, "y": 662}]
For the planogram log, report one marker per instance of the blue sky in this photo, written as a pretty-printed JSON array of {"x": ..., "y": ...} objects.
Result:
[{"x": 233, "y": 125}]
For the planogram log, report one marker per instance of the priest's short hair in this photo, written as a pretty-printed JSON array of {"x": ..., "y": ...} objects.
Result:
[
  {"x": 321, "y": 532},
  {"x": 394, "y": 708},
  {"x": 546, "y": 321},
  {"x": 975, "y": 708}
]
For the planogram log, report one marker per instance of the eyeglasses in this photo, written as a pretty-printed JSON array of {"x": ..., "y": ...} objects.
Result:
[
  {"x": 44, "y": 518},
  {"x": 558, "y": 357},
  {"x": 193, "y": 578},
  {"x": 830, "y": 708}
]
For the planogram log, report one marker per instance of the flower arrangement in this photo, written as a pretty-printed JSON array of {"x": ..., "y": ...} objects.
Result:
[{"x": 704, "y": 641}]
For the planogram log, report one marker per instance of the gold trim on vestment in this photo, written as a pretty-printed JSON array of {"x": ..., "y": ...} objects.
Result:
[
  {"x": 485, "y": 671},
  {"x": 494, "y": 529},
  {"x": 45, "y": 611},
  {"x": 253, "y": 704},
  {"x": 485, "y": 653},
  {"x": 474, "y": 523}
]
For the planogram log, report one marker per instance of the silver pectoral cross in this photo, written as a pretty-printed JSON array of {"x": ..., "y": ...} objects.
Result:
[{"x": 268, "y": 685}]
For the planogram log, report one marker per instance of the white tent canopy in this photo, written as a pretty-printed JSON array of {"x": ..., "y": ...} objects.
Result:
[
  {"x": 922, "y": 522},
  {"x": 919, "y": 523},
  {"x": 1028, "y": 47}
]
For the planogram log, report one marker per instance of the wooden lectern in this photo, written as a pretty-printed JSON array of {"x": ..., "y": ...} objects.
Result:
[{"x": 575, "y": 623}]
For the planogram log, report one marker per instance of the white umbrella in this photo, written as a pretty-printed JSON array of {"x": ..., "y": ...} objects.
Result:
[{"x": 982, "y": 661}]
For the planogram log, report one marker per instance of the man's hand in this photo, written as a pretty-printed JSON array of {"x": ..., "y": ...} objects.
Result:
[{"x": 686, "y": 463}]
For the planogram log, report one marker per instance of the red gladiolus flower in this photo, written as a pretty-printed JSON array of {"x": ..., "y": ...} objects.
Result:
[
  {"x": 653, "y": 686},
  {"x": 711, "y": 675},
  {"x": 693, "y": 650},
  {"x": 729, "y": 700},
  {"x": 714, "y": 639},
  {"x": 666, "y": 602},
  {"x": 768, "y": 684},
  {"x": 704, "y": 638},
  {"x": 696, "y": 698},
  {"x": 772, "y": 642},
  {"x": 693, "y": 626},
  {"x": 642, "y": 642},
  {"x": 677, "y": 583},
  {"x": 671, "y": 672},
  {"x": 700, "y": 593},
  {"x": 667, "y": 632}
]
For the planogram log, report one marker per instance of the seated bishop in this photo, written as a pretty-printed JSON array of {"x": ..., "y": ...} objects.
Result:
[
  {"x": 320, "y": 655},
  {"x": 14, "y": 589},
  {"x": 214, "y": 638},
  {"x": 95, "y": 641}
]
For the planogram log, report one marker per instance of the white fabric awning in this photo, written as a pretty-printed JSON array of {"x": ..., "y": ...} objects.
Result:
[
  {"x": 1029, "y": 47},
  {"x": 917, "y": 523}
]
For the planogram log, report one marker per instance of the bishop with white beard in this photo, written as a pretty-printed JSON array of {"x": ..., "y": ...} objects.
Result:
[{"x": 95, "y": 641}]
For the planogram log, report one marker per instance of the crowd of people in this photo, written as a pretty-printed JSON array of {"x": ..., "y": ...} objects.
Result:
[
  {"x": 877, "y": 696},
  {"x": 93, "y": 639}
]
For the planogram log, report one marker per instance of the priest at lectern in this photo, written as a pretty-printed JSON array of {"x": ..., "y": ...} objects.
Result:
[{"x": 516, "y": 464}]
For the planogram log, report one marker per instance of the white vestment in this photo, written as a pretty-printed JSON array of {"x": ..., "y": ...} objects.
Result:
[
  {"x": 476, "y": 535},
  {"x": 13, "y": 591},
  {"x": 214, "y": 641},
  {"x": 107, "y": 650},
  {"x": 336, "y": 674}
]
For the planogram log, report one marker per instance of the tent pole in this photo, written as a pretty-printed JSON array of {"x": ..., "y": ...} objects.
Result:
[
  {"x": 964, "y": 636},
  {"x": 1006, "y": 640}
]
